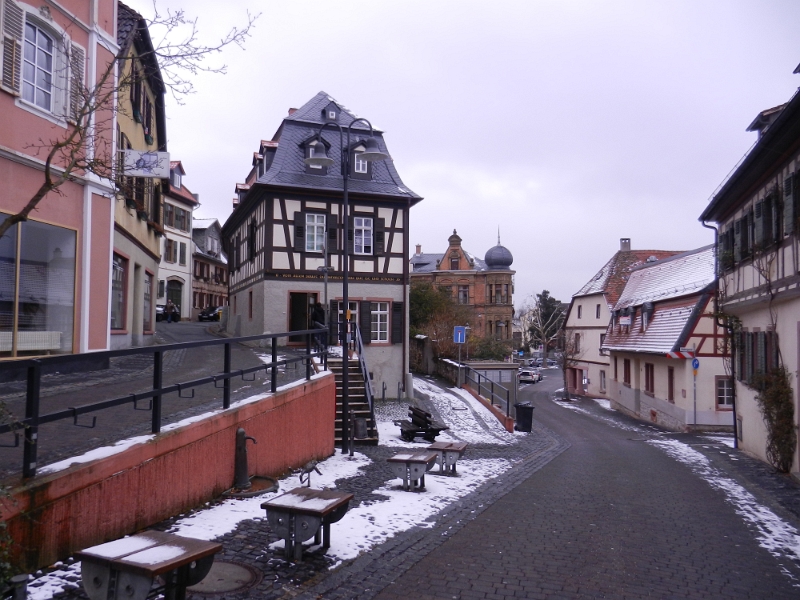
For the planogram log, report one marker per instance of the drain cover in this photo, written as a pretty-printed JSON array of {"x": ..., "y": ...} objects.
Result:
[{"x": 226, "y": 577}]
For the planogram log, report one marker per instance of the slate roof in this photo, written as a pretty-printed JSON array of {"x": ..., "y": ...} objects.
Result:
[
  {"x": 202, "y": 223},
  {"x": 288, "y": 169},
  {"x": 611, "y": 279},
  {"x": 680, "y": 275},
  {"x": 679, "y": 287},
  {"x": 426, "y": 263}
]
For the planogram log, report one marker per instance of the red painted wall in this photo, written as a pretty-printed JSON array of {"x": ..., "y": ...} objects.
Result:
[{"x": 55, "y": 515}]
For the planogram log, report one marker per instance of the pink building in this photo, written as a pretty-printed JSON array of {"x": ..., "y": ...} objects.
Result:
[{"x": 50, "y": 52}]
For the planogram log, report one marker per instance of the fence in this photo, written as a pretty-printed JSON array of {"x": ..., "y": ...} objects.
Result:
[
  {"x": 487, "y": 388},
  {"x": 29, "y": 425}
]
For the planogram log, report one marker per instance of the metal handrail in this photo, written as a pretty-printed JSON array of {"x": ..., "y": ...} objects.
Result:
[
  {"x": 364, "y": 372},
  {"x": 34, "y": 366},
  {"x": 490, "y": 389}
]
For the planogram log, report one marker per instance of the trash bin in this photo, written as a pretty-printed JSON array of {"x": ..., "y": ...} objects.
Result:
[
  {"x": 360, "y": 429},
  {"x": 524, "y": 416}
]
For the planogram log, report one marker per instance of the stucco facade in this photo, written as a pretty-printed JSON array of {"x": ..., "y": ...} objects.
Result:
[{"x": 54, "y": 292}]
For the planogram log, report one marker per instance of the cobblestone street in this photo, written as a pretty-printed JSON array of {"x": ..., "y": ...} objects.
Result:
[{"x": 594, "y": 506}]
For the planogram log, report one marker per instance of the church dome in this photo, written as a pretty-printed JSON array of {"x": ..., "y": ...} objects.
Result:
[{"x": 498, "y": 258}]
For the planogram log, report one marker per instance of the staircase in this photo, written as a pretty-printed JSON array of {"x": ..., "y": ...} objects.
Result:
[{"x": 357, "y": 400}]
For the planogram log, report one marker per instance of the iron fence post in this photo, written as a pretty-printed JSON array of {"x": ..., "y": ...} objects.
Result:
[
  {"x": 508, "y": 408},
  {"x": 158, "y": 360},
  {"x": 32, "y": 417},
  {"x": 226, "y": 386},
  {"x": 273, "y": 384},
  {"x": 491, "y": 398},
  {"x": 308, "y": 356}
]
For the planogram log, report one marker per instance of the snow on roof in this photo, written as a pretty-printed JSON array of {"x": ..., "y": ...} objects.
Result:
[
  {"x": 665, "y": 328},
  {"x": 680, "y": 275},
  {"x": 610, "y": 280}
]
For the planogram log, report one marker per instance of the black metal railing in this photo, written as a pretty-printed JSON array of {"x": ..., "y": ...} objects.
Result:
[
  {"x": 29, "y": 425},
  {"x": 364, "y": 372},
  {"x": 488, "y": 388}
]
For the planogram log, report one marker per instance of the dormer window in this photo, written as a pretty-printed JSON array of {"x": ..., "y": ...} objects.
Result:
[
  {"x": 176, "y": 179},
  {"x": 359, "y": 167},
  {"x": 330, "y": 113},
  {"x": 359, "y": 164},
  {"x": 311, "y": 147}
]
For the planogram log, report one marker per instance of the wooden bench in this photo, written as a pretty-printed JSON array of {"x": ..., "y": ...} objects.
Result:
[
  {"x": 411, "y": 467},
  {"x": 126, "y": 568},
  {"x": 297, "y": 515},
  {"x": 448, "y": 454},
  {"x": 421, "y": 423}
]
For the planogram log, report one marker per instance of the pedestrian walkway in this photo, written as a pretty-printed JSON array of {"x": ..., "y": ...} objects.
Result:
[{"x": 589, "y": 504}]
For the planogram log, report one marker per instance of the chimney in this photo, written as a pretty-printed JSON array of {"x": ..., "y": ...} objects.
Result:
[
  {"x": 292, "y": 111},
  {"x": 625, "y": 244},
  {"x": 419, "y": 249}
]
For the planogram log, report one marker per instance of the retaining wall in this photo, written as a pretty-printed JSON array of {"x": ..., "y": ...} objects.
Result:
[{"x": 54, "y": 515}]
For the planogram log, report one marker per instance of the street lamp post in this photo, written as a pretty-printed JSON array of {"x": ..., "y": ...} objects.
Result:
[{"x": 318, "y": 157}]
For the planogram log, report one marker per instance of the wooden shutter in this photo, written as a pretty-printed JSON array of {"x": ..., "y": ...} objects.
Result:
[
  {"x": 788, "y": 205},
  {"x": 13, "y": 25},
  {"x": 333, "y": 323},
  {"x": 737, "y": 240},
  {"x": 183, "y": 253},
  {"x": 365, "y": 320},
  {"x": 759, "y": 222},
  {"x": 380, "y": 236},
  {"x": 397, "y": 322},
  {"x": 333, "y": 232},
  {"x": 77, "y": 64},
  {"x": 300, "y": 231},
  {"x": 761, "y": 352}
]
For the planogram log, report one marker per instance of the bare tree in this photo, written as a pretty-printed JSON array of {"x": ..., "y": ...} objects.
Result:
[
  {"x": 84, "y": 149},
  {"x": 546, "y": 319},
  {"x": 525, "y": 315}
]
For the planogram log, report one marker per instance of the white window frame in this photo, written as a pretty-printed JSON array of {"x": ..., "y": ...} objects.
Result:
[
  {"x": 39, "y": 53},
  {"x": 315, "y": 232},
  {"x": 176, "y": 179},
  {"x": 363, "y": 235},
  {"x": 379, "y": 330},
  {"x": 360, "y": 165},
  {"x": 61, "y": 76},
  {"x": 727, "y": 395}
]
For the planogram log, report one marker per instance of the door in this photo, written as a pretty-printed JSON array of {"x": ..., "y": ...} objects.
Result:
[
  {"x": 300, "y": 305},
  {"x": 175, "y": 293}
]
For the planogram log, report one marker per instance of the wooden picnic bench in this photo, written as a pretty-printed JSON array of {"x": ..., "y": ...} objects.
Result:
[
  {"x": 126, "y": 568},
  {"x": 411, "y": 467},
  {"x": 297, "y": 516},
  {"x": 448, "y": 454},
  {"x": 421, "y": 423}
]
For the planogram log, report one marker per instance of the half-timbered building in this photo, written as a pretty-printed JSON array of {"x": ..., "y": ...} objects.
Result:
[
  {"x": 757, "y": 212},
  {"x": 663, "y": 319},
  {"x": 287, "y": 229}
]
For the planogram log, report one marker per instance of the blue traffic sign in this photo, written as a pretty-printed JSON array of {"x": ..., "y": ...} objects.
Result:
[
  {"x": 695, "y": 363},
  {"x": 459, "y": 334}
]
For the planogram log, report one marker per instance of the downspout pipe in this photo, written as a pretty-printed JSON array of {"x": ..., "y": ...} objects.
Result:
[{"x": 719, "y": 323}]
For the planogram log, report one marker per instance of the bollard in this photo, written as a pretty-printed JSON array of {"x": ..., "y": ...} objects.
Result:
[
  {"x": 383, "y": 392},
  {"x": 19, "y": 584},
  {"x": 399, "y": 391},
  {"x": 241, "y": 478}
]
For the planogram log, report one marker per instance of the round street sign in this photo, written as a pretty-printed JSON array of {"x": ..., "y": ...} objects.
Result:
[{"x": 695, "y": 363}]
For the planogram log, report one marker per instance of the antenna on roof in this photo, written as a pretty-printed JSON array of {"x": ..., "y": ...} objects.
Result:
[{"x": 498, "y": 235}]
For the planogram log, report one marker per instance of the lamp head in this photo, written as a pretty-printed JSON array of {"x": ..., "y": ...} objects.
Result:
[
  {"x": 317, "y": 156},
  {"x": 372, "y": 152}
]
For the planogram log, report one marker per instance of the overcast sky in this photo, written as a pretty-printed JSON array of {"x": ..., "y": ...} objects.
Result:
[{"x": 568, "y": 125}]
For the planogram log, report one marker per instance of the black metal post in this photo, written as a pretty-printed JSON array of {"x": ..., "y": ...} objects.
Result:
[
  {"x": 226, "y": 386},
  {"x": 308, "y": 356},
  {"x": 158, "y": 361},
  {"x": 345, "y": 299},
  {"x": 273, "y": 384},
  {"x": 32, "y": 417}
]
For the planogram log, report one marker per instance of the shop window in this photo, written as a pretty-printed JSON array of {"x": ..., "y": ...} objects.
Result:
[{"x": 119, "y": 280}]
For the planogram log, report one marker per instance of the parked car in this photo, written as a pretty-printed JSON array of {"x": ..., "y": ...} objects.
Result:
[
  {"x": 210, "y": 313},
  {"x": 160, "y": 314},
  {"x": 537, "y": 373},
  {"x": 527, "y": 376}
]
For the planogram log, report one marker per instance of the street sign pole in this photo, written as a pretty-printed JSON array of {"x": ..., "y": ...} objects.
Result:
[{"x": 695, "y": 366}]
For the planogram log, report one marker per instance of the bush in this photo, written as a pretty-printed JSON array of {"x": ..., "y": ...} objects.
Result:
[{"x": 774, "y": 399}]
